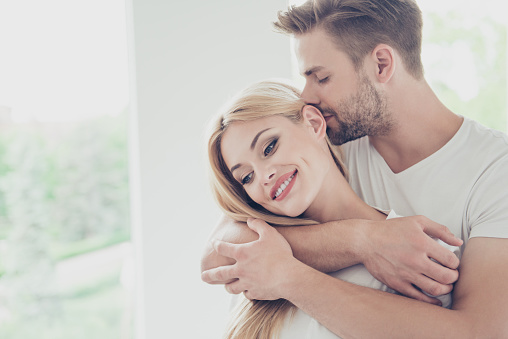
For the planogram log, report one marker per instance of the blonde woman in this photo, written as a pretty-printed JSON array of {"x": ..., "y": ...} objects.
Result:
[{"x": 271, "y": 159}]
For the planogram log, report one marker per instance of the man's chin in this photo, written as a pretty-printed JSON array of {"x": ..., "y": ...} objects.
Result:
[{"x": 339, "y": 137}]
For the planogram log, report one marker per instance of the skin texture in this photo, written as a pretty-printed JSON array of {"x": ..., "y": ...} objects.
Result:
[
  {"x": 335, "y": 245},
  {"x": 421, "y": 126},
  {"x": 282, "y": 149}
]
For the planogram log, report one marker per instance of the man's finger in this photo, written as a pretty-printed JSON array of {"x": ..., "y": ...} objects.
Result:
[
  {"x": 219, "y": 274},
  {"x": 441, "y": 232},
  {"x": 441, "y": 272},
  {"x": 432, "y": 287},
  {"x": 412, "y": 292},
  {"x": 443, "y": 254}
]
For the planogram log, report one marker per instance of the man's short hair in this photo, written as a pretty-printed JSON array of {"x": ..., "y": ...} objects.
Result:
[{"x": 358, "y": 26}]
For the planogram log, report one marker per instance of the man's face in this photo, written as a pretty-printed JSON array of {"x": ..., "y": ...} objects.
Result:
[{"x": 350, "y": 103}]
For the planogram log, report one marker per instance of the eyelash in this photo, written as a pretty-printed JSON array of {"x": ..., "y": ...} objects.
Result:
[
  {"x": 272, "y": 145},
  {"x": 266, "y": 152},
  {"x": 324, "y": 80}
]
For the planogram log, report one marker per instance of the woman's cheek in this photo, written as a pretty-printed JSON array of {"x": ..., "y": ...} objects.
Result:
[{"x": 256, "y": 195}]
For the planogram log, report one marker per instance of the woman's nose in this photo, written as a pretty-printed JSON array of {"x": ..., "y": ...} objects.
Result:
[{"x": 269, "y": 177}]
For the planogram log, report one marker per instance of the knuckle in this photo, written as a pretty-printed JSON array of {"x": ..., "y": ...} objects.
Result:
[
  {"x": 219, "y": 275},
  {"x": 232, "y": 289},
  {"x": 435, "y": 289},
  {"x": 239, "y": 272},
  {"x": 450, "y": 277},
  {"x": 248, "y": 295},
  {"x": 420, "y": 219},
  {"x": 453, "y": 261},
  {"x": 240, "y": 254}
]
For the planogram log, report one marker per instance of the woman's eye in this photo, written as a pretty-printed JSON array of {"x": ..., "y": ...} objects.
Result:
[
  {"x": 247, "y": 179},
  {"x": 269, "y": 148},
  {"x": 324, "y": 80}
]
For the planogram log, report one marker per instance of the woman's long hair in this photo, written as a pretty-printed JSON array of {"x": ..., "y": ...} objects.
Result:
[{"x": 255, "y": 319}]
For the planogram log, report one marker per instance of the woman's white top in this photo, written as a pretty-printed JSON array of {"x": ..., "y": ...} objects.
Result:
[{"x": 303, "y": 326}]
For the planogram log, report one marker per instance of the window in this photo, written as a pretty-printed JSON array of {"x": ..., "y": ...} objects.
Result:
[
  {"x": 64, "y": 194},
  {"x": 464, "y": 56}
]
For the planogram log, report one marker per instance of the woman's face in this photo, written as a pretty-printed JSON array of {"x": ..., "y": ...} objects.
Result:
[{"x": 281, "y": 164}]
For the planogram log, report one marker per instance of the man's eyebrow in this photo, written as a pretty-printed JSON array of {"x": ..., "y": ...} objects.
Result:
[
  {"x": 312, "y": 70},
  {"x": 252, "y": 145}
]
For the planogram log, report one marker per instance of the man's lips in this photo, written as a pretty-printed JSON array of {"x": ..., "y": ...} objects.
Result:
[{"x": 279, "y": 182}]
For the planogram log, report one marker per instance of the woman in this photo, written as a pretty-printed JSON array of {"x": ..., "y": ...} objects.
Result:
[{"x": 270, "y": 159}]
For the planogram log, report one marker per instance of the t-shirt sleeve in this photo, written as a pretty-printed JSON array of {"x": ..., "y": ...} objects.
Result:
[{"x": 487, "y": 210}]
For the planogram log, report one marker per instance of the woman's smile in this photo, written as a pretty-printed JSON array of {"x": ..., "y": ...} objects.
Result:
[
  {"x": 283, "y": 186},
  {"x": 269, "y": 156}
]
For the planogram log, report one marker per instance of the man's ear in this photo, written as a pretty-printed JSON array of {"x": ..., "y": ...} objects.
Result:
[
  {"x": 313, "y": 117},
  {"x": 385, "y": 62}
]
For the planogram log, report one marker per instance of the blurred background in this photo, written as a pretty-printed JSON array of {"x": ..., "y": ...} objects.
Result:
[{"x": 104, "y": 201}]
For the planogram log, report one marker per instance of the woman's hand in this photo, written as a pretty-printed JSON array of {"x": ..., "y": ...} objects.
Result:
[{"x": 261, "y": 267}]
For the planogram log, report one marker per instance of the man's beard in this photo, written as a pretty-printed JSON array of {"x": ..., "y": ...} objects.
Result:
[{"x": 361, "y": 114}]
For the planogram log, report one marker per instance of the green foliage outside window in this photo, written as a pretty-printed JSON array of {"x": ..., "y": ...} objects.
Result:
[
  {"x": 63, "y": 192},
  {"x": 468, "y": 66}
]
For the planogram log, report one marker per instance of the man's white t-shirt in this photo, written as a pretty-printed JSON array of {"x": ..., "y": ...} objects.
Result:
[{"x": 463, "y": 186}]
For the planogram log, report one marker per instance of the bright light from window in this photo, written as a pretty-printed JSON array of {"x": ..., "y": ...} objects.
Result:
[{"x": 62, "y": 60}]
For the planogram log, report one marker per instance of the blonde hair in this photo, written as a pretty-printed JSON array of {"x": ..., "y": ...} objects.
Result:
[
  {"x": 358, "y": 26},
  {"x": 255, "y": 319}
]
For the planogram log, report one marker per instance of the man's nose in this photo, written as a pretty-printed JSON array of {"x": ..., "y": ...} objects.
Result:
[{"x": 309, "y": 96}]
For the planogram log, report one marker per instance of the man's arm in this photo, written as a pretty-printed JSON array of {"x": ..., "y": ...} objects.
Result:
[
  {"x": 480, "y": 306},
  {"x": 396, "y": 251}
]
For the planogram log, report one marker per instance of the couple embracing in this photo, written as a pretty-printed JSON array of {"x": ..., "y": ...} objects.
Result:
[{"x": 413, "y": 190}]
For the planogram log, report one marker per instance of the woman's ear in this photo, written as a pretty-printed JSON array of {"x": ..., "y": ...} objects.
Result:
[
  {"x": 313, "y": 117},
  {"x": 385, "y": 62}
]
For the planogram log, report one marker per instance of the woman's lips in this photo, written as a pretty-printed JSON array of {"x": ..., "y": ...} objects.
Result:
[{"x": 288, "y": 188}]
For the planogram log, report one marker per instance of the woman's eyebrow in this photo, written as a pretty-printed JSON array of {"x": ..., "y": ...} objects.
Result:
[
  {"x": 252, "y": 145},
  {"x": 255, "y": 140}
]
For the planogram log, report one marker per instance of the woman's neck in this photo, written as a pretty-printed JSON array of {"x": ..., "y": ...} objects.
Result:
[{"x": 337, "y": 201}]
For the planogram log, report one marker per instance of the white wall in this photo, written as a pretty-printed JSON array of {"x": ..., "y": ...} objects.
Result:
[{"x": 187, "y": 57}]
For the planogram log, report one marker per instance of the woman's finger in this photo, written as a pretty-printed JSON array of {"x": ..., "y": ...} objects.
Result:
[
  {"x": 226, "y": 249},
  {"x": 234, "y": 287},
  {"x": 259, "y": 226},
  {"x": 219, "y": 274}
]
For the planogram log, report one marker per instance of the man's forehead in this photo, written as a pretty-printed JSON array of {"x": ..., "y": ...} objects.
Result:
[{"x": 313, "y": 50}]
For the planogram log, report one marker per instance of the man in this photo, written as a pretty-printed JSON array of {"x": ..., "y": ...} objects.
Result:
[{"x": 408, "y": 152}]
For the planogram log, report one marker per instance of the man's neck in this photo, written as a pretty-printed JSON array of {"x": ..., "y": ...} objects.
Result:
[{"x": 423, "y": 125}]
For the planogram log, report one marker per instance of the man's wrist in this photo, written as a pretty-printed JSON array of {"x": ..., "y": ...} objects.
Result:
[{"x": 362, "y": 240}]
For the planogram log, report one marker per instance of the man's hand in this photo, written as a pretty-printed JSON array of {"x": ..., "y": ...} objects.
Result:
[
  {"x": 399, "y": 252},
  {"x": 261, "y": 265}
]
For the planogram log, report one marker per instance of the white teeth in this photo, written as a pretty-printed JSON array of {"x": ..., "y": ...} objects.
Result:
[{"x": 283, "y": 186}]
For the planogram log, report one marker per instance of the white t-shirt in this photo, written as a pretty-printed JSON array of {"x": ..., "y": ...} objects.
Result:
[
  {"x": 463, "y": 186},
  {"x": 303, "y": 326}
]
